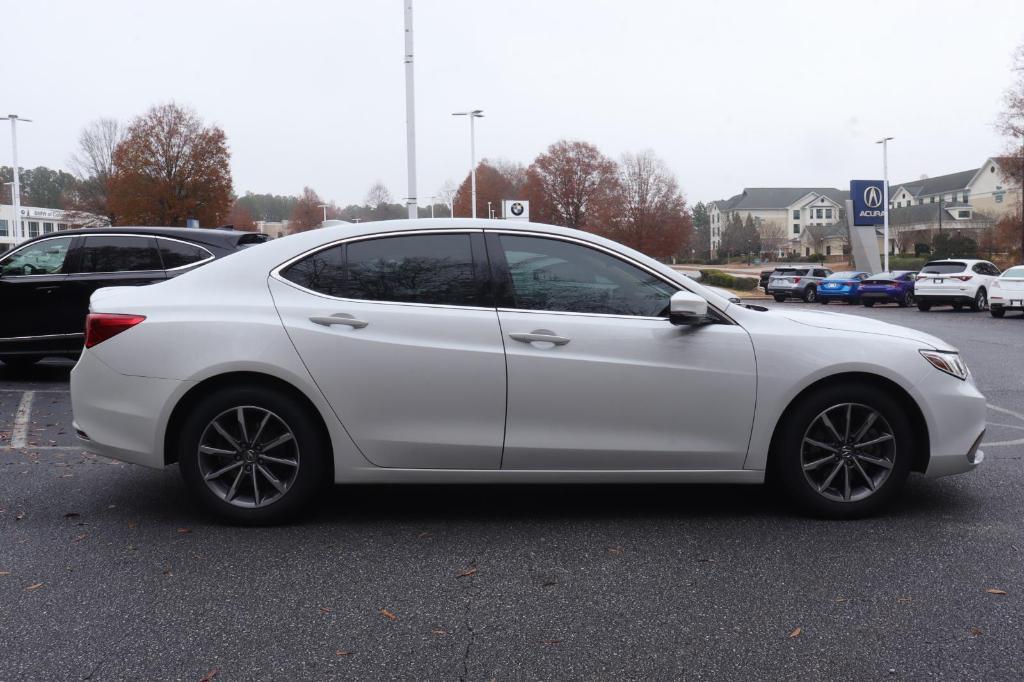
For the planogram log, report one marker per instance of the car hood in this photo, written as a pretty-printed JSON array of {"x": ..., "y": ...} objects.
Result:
[{"x": 864, "y": 325}]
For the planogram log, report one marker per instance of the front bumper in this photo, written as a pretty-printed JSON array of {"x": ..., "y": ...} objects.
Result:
[
  {"x": 119, "y": 416},
  {"x": 955, "y": 412}
]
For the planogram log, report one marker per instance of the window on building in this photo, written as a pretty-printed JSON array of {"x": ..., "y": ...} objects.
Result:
[
  {"x": 817, "y": 213},
  {"x": 828, "y": 212},
  {"x": 796, "y": 214},
  {"x": 966, "y": 197},
  {"x": 62, "y": 226},
  {"x": 920, "y": 201},
  {"x": 33, "y": 228},
  {"x": 796, "y": 228},
  {"x": 47, "y": 228},
  {"x": 999, "y": 197},
  {"x": 963, "y": 214},
  {"x": 3, "y": 228},
  {"x": 828, "y": 250}
]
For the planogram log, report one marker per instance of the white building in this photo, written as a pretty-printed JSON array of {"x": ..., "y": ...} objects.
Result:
[
  {"x": 272, "y": 229},
  {"x": 34, "y": 222}
]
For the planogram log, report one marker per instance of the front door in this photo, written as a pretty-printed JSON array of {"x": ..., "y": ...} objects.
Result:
[
  {"x": 31, "y": 288},
  {"x": 597, "y": 376},
  {"x": 395, "y": 333}
]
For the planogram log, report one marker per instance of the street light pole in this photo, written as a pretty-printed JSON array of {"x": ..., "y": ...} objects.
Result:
[
  {"x": 885, "y": 198},
  {"x": 324, "y": 207},
  {"x": 474, "y": 114},
  {"x": 16, "y": 189},
  {"x": 410, "y": 114}
]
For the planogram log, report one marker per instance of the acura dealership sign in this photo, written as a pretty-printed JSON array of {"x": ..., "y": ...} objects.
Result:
[{"x": 868, "y": 197}]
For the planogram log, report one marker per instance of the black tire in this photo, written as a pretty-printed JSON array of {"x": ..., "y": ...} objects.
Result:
[
  {"x": 980, "y": 301},
  {"x": 312, "y": 452},
  {"x": 823, "y": 301},
  {"x": 958, "y": 307},
  {"x": 907, "y": 300},
  {"x": 924, "y": 306},
  {"x": 810, "y": 295},
  {"x": 786, "y": 467},
  {"x": 779, "y": 298},
  {"x": 20, "y": 362},
  {"x": 869, "y": 304},
  {"x": 997, "y": 311}
]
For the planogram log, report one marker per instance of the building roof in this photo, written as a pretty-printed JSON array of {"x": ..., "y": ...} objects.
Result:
[
  {"x": 768, "y": 198},
  {"x": 926, "y": 214},
  {"x": 939, "y": 184}
]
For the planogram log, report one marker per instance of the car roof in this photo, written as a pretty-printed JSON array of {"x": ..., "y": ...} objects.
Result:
[
  {"x": 222, "y": 237},
  {"x": 957, "y": 260}
]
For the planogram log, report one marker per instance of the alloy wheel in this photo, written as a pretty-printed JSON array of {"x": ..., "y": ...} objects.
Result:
[
  {"x": 980, "y": 300},
  {"x": 248, "y": 456},
  {"x": 848, "y": 452}
]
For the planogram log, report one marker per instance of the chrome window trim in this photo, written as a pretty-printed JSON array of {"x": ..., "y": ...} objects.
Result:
[
  {"x": 9, "y": 254},
  {"x": 276, "y": 272},
  {"x": 41, "y": 336}
]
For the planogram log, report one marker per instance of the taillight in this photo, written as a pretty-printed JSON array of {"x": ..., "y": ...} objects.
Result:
[
  {"x": 101, "y": 326},
  {"x": 962, "y": 278},
  {"x": 796, "y": 280}
]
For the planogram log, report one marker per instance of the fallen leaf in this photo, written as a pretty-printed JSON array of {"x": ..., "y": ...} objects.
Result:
[
  {"x": 33, "y": 587},
  {"x": 841, "y": 599},
  {"x": 387, "y": 614},
  {"x": 3, "y": 573},
  {"x": 208, "y": 677},
  {"x": 904, "y": 600},
  {"x": 133, "y": 524},
  {"x": 995, "y": 590},
  {"x": 975, "y": 631},
  {"x": 615, "y": 550},
  {"x": 796, "y": 632},
  {"x": 168, "y": 572},
  {"x": 439, "y": 631},
  {"x": 325, "y": 609},
  {"x": 424, "y": 534},
  {"x": 184, "y": 531},
  {"x": 469, "y": 572},
  {"x": 19, "y": 516},
  {"x": 339, "y": 652},
  {"x": 551, "y": 641},
  {"x": 79, "y": 538}
]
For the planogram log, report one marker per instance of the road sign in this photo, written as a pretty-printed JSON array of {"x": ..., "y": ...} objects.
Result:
[{"x": 868, "y": 197}]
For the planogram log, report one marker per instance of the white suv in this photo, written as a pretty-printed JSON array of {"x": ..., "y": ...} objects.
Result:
[{"x": 957, "y": 282}]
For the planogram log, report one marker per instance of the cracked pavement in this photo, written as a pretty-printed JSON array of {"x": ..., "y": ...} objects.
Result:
[{"x": 570, "y": 582}]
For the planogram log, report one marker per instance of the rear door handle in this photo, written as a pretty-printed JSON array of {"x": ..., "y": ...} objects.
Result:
[
  {"x": 540, "y": 335},
  {"x": 49, "y": 288},
  {"x": 339, "y": 318}
]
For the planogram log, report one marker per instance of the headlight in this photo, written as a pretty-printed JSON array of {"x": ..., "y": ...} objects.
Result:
[{"x": 946, "y": 361}]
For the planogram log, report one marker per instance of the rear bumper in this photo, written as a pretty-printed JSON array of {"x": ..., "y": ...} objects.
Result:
[
  {"x": 829, "y": 293},
  {"x": 119, "y": 416},
  {"x": 944, "y": 299}
]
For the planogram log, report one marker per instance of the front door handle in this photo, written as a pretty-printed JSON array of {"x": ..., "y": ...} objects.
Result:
[
  {"x": 541, "y": 335},
  {"x": 339, "y": 318},
  {"x": 52, "y": 287}
]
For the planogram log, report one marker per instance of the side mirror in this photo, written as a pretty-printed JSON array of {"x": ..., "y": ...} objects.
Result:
[{"x": 686, "y": 308}]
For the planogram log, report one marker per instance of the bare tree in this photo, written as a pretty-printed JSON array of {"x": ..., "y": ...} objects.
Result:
[
  {"x": 447, "y": 194},
  {"x": 88, "y": 201},
  {"x": 378, "y": 195},
  {"x": 654, "y": 217},
  {"x": 1011, "y": 125},
  {"x": 773, "y": 237}
]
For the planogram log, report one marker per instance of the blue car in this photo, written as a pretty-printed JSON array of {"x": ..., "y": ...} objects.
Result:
[
  {"x": 889, "y": 287},
  {"x": 841, "y": 286}
]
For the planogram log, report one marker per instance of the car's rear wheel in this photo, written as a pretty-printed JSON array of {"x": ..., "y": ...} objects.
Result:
[
  {"x": 779, "y": 298},
  {"x": 18, "y": 362},
  {"x": 980, "y": 301},
  {"x": 906, "y": 300},
  {"x": 997, "y": 311},
  {"x": 958, "y": 307},
  {"x": 252, "y": 455},
  {"x": 810, "y": 295},
  {"x": 924, "y": 306},
  {"x": 843, "y": 451}
]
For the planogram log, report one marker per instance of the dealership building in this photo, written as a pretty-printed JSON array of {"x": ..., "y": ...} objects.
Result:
[{"x": 34, "y": 222}]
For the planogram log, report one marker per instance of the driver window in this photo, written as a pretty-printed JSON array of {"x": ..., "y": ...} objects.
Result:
[
  {"x": 549, "y": 274},
  {"x": 41, "y": 258}
]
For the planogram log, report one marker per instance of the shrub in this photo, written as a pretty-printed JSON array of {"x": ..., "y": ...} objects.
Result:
[
  {"x": 717, "y": 278},
  {"x": 906, "y": 263}
]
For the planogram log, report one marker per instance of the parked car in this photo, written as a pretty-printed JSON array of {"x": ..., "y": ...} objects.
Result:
[
  {"x": 1007, "y": 291},
  {"x": 763, "y": 279},
  {"x": 956, "y": 282},
  {"x": 841, "y": 286},
  {"x": 796, "y": 282},
  {"x": 444, "y": 351},
  {"x": 45, "y": 283},
  {"x": 889, "y": 287}
]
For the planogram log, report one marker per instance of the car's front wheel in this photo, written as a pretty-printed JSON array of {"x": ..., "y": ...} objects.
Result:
[
  {"x": 810, "y": 295},
  {"x": 843, "y": 451},
  {"x": 252, "y": 455},
  {"x": 779, "y": 298},
  {"x": 980, "y": 301}
]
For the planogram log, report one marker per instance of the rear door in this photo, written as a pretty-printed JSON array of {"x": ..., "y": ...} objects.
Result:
[{"x": 110, "y": 261}]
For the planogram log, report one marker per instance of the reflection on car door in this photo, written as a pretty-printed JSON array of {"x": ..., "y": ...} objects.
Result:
[
  {"x": 597, "y": 376},
  {"x": 31, "y": 281},
  {"x": 109, "y": 261},
  {"x": 396, "y": 334}
]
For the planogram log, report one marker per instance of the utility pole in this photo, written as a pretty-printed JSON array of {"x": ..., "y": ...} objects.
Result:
[
  {"x": 885, "y": 198},
  {"x": 410, "y": 113},
  {"x": 19, "y": 232},
  {"x": 324, "y": 207}
]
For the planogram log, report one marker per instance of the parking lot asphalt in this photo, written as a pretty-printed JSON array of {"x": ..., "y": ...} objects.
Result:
[{"x": 108, "y": 572}]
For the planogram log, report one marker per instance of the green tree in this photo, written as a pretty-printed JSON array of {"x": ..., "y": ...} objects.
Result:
[
  {"x": 701, "y": 231},
  {"x": 42, "y": 186}
]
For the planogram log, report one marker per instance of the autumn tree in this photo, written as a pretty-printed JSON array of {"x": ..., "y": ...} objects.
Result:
[
  {"x": 652, "y": 214},
  {"x": 307, "y": 213},
  {"x": 170, "y": 167},
  {"x": 240, "y": 218},
  {"x": 573, "y": 184},
  {"x": 1011, "y": 125},
  {"x": 93, "y": 166},
  {"x": 492, "y": 185}
]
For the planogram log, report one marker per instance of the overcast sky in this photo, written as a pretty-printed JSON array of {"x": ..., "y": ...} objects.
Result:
[{"x": 730, "y": 94}]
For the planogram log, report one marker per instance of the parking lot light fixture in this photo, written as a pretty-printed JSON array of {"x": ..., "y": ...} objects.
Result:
[
  {"x": 885, "y": 200},
  {"x": 18, "y": 232},
  {"x": 475, "y": 113}
]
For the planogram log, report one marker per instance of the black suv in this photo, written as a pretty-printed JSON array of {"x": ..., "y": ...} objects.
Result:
[{"x": 46, "y": 282}]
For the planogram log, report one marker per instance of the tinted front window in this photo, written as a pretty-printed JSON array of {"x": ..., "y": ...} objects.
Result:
[
  {"x": 434, "y": 269},
  {"x": 548, "y": 274},
  {"x": 179, "y": 254},
  {"x": 42, "y": 258},
  {"x": 943, "y": 268},
  {"x": 119, "y": 254}
]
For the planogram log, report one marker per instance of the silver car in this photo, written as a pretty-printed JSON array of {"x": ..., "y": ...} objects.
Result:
[{"x": 800, "y": 281}]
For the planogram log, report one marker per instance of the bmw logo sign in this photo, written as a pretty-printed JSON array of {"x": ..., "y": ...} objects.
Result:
[{"x": 516, "y": 208}]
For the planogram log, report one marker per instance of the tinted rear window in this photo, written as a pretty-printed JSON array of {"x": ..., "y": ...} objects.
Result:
[
  {"x": 180, "y": 254},
  {"x": 842, "y": 275},
  {"x": 119, "y": 254},
  {"x": 1014, "y": 272},
  {"x": 782, "y": 272},
  {"x": 944, "y": 268}
]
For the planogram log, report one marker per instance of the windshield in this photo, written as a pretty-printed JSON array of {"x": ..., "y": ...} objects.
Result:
[
  {"x": 944, "y": 267},
  {"x": 843, "y": 275},
  {"x": 1017, "y": 272}
]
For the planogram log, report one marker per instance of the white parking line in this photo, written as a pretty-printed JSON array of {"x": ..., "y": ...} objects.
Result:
[
  {"x": 35, "y": 390},
  {"x": 19, "y": 434},
  {"x": 1004, "y": 443},
  {"x": 33, "y": 448}
]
